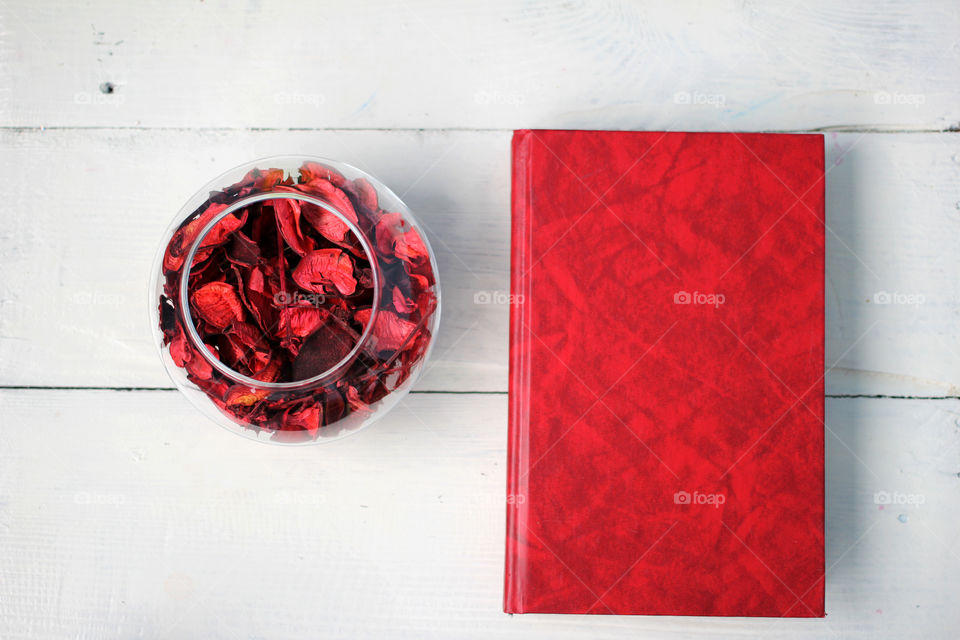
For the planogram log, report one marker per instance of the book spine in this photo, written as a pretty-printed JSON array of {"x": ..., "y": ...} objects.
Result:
[
  {"x": 519, "y": 386},
  {"x": 820, "y": 408}
]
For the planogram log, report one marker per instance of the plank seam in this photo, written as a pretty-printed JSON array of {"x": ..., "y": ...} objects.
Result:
[
  {"x": 134, "y": 389},
  {"x": 955, "y": 128}
]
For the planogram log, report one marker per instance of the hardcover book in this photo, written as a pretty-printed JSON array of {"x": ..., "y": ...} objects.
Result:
[{"x": 666, "y": 374}]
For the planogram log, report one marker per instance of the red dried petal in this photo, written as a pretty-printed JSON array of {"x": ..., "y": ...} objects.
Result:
[
  {"x": 355, "y": 403},
  {"x": 409, "y": 247},
  {"x": 388, "y": 228},
  {"x": 258, "y": 180},
  {"x": 266, "y": 179},
  {"x": 418, "y": 283},
  {"x": 326, "y": 267},
  {"x": 259, "y": 299},
  {"x": 246, "y": 335},
  {"x": 185, "y": 355},
  {"x": 390, "y": 331},
  {"x": 306, "y": 419},
  {"x": 402, "y": 303},
  {"x": 395, "y": 238},
  {"x": 311, "y": 171},
  {"x": 327, "y": 224},
  {"x": 301, "y": 321},
  {"x": 330, "y": 226},
  {"x": 270, "y": 372},
  {"x": 243, "y": 347},
  {"x": 221, "y": 231},
  {"x": 199, "y": 367},
  {"x": 288, "y": 218},
  {"x": 180, "y": 350},
  {"x": 218, "y": 304},
  {"x": 185, "y": 236}
]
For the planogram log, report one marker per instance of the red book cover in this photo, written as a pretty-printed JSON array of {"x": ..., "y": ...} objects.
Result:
[{"x": 666, "y": 374}]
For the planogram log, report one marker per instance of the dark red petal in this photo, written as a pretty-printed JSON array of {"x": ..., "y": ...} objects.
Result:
[
  {"x": 260, "y": 300},
  {"x": 363, "y": 191},
  {"x": 242, "y": 250},
  {"x": 327, "y": 346},
  {"x": 288, "y": 218},
  {"x": 418, "y": 283}
]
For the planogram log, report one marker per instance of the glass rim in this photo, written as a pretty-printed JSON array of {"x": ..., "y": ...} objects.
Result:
[{"x": 237, "y": 377}]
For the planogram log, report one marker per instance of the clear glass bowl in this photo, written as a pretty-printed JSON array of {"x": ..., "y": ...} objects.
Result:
[{"x": 294, "y": 299}]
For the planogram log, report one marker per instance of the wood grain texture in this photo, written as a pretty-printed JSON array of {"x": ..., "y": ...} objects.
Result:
[
  {"x": 76, "y": 253},
  {"x": 117, "y": 519},
  {"x": 597, "y": 64}
]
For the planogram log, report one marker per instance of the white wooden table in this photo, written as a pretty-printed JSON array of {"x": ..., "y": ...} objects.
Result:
[{"x": 125, "y": 514}]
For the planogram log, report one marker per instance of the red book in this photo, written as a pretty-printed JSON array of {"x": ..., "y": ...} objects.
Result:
[{"x": 666, "y": 374}]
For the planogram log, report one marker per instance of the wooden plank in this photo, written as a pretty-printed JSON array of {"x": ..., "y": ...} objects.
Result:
[
  {"x": 703, "y": 66},
  {"x": 83, "y": 211},
  {"x": 117, "y": 520}
]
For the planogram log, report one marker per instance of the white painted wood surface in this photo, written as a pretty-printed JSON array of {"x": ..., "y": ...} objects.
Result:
[
  {"x": 74, "y": 298},
  {"x": 127, "y": 515},
  {"x": 502, "y": 64},
  {"x": 124, "y": 514}
]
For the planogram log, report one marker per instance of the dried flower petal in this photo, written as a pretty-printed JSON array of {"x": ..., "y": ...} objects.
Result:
[
  {"x": 320, "y": 352},
  {"x": 331, "y": 194},
  {"x": 402, "y": 303},
  {"x": 218, "y": 304},
  {"x": 311, "y": 171},
  {"x": 288, "y": 218},
  {"x": 185, "y": 236},
  {"x": 242, "y": 250},
  {"x": 409, "y": 247},
  {"x": 364, "y": 193},
  {"x": 330, "y": 226},
  {"x": 301, "y": 321},
  {"x": 387, "y": 230},
  {"x": 306, "y": 419},
  {"x": 326, "y": 267},
  {"x": 184, "y": 355},
  {"x": 390, "y": 331}
]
